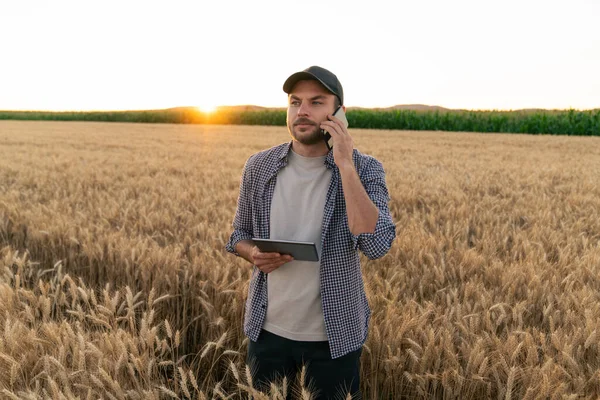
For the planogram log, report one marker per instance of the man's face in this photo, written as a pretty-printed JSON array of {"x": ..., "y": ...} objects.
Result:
[{"x": 309, "y": 103}]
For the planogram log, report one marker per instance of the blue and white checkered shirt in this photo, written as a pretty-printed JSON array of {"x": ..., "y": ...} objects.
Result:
[{"x": 345, "y": 308}]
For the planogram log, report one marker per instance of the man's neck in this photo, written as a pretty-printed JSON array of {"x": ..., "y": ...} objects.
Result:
[{"x": 312, "y": 150}]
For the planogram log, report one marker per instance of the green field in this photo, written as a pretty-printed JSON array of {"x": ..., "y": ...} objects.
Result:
[{"x": 556, "y": 122}]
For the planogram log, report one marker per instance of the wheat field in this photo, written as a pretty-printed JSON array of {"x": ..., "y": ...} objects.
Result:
[{"x": 114, "y": 281}]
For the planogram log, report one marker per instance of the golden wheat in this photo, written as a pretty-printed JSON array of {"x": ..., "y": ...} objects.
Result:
[{"x": 114, "y": 282}]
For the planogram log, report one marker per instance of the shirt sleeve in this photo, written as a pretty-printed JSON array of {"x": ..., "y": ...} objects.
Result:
[
  {"x": 242, "y": 221},
  {"x": 377, "y": 244}
]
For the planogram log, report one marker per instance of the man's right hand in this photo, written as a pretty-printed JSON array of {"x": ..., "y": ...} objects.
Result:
[{"x": 266, "y": 262}]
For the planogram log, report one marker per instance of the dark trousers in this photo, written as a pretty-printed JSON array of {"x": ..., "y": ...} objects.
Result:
[{"x": 272, "y": 356}]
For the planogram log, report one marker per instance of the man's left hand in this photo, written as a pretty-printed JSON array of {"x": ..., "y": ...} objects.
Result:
[{"x": 343, "y": 145}]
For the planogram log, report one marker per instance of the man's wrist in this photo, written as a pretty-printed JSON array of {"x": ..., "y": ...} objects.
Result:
[
  {"x": 244, "y": 249},
  {"x": 346, "y": 167}
]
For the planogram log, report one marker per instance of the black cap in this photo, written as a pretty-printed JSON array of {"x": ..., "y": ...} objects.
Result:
[{"x": 325, "y": 77}]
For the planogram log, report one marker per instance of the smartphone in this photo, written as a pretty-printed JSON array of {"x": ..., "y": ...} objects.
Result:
[{"x": 339, "y": 113}]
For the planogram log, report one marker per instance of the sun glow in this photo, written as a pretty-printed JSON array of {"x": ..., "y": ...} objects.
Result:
[{"x": 207, "y": 108}]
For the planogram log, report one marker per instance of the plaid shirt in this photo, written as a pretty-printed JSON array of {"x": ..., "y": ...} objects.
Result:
[{"x": 345, "y": 308}]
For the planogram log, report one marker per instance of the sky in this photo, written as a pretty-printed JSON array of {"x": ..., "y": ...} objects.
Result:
[{"x": 130, "y": 54}]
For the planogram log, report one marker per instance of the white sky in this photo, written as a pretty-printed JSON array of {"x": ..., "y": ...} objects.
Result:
[{"x": 509, "y": 54}]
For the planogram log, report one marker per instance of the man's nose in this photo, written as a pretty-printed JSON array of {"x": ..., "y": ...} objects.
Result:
[{"x": 303, "y": 109}]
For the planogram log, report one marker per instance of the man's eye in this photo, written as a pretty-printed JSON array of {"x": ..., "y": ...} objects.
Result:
[
  {"x": 317, "y": 103},
  {"x": 294, "y": 103}
]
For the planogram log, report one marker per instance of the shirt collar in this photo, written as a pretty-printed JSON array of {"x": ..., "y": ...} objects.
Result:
[{"x": 285, "y": 149}]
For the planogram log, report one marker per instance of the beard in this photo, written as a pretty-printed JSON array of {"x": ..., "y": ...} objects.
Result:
[{"x": 308, "y": 136}]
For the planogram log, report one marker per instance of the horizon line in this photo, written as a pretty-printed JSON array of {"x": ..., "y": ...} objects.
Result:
[{"x": 216, "y": 109}]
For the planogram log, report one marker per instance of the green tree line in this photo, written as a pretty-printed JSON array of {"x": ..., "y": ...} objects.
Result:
[{"x": 567, "y": 122}]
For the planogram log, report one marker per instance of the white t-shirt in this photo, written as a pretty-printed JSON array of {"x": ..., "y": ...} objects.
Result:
[{"x": 294, "y": 308}]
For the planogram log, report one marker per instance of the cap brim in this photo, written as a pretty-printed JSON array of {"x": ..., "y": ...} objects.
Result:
[{"x": 289, "y": 84}]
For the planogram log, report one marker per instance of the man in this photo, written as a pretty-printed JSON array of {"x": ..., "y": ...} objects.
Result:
[{"x": 301, "y": 312}]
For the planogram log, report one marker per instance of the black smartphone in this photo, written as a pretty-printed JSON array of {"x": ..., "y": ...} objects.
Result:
[{"x": 339, "y": 113}]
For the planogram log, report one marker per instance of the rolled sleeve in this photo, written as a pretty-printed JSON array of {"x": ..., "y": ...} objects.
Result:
[
  {"x": 378, "y": 243},
  {"x": 242, "y": 221},
  {"x": 237, "y": 236}
]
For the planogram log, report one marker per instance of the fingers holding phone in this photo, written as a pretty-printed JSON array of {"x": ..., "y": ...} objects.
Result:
[
  {"x": 340, "y": 140},
  {"x": 339, "y": 117}
]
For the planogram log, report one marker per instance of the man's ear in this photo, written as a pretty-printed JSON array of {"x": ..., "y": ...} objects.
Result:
[{"x": 344, "y": 108}]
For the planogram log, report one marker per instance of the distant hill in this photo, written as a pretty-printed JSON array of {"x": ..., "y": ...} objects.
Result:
[
  {"x": 246, "y": 107},
  {"x": 414, "y": 107},
  {"x": 249, "y": 107}
]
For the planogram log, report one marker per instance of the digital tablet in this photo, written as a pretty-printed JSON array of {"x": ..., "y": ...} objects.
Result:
[{"x": 301, "y": 251}]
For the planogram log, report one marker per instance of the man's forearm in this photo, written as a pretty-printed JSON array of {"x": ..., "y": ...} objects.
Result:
[
  {"x": 244, "y": 249},
  {"x": 362, "y": 212}
]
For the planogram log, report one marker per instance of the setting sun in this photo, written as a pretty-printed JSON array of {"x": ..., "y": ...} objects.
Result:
[{"x": 207, "y": 108}]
